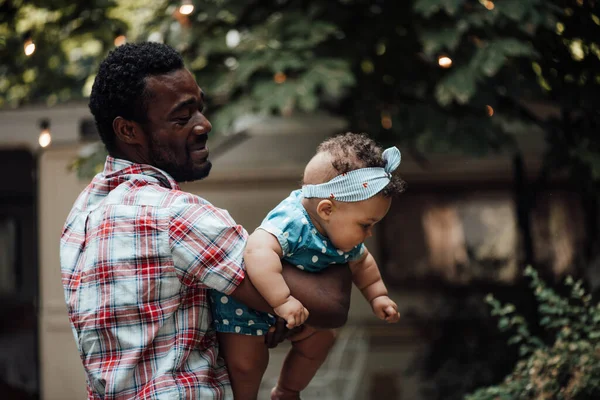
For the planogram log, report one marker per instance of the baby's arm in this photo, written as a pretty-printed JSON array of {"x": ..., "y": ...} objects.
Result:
[
  {"x": 263, "y": 264},
  {"x": 367, "y": 278}
]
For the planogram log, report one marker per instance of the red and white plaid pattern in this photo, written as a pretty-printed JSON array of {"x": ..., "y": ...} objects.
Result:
[{"x": 137, "y": 258}]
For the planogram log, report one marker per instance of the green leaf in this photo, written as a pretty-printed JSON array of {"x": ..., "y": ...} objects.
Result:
[
  {"x": 503, "y": 323},
  {"x": 514, "y": 9},
  {"x": 460, "y": 86},
  {"x": 514, "y": 47},
  {"x": 333, "y": 75},
  {"x": 445, "y": 38},
  {"x": 515, "y": 340},
  {"x": 429, "y": 7}
]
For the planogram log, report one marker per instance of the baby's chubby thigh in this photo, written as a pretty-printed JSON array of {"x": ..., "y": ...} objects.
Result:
[{"x": 232, "y": 316}]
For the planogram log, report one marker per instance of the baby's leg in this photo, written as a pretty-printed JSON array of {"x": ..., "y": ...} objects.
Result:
[
  {"x": 301, "y": 364},
  {"x": 246, "y": 358},
  {"x": 240, "y": 331}
]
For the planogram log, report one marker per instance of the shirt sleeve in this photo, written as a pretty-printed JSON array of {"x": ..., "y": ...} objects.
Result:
[
  {"x": 207, "y": 247},
  {"x": 289, "y": 227}
]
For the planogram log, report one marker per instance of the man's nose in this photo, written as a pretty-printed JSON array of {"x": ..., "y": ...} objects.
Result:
[
  {"x": 369, "y": 233},
  {"x": 202, "y": 127}
]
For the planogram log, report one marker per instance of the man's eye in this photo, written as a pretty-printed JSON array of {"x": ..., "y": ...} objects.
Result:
[{"x": 182, "y": 121}]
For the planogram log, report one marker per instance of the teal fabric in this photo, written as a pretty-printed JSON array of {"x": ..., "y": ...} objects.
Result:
[{"x": 302, "y": 245}]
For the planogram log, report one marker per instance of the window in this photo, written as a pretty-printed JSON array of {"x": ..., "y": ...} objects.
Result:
[
  {"x": 8, "y": 256},
  {"x": 460, "y": 237}
]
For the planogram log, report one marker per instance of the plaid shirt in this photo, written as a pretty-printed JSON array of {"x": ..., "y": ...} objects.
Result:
[{"x": 138, "y": 256}]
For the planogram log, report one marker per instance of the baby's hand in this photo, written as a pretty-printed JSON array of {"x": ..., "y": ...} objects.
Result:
[
  {"x": 293, "y": 312},
  {"x": 385, "y": 309}
]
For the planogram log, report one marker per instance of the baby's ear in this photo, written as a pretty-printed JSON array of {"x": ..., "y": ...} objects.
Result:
[{"x": 324, "y": 209}]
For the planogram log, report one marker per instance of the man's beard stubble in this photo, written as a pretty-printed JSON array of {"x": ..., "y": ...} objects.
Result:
[{"x": 179, "y": 171}]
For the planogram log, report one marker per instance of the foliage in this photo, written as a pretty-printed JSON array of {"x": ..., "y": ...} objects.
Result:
[
  {"x": 564, "y": 368},
  {"x": 69, "y": 38},
  {"x": 465, "y": 351},
  {"x": 373, "y": 63}
]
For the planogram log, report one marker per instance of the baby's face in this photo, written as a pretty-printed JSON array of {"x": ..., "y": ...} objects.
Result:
[{"x": 351, "y": 223}]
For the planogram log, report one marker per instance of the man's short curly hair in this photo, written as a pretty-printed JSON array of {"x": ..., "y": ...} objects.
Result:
[
  {"x": 119, "y": 87},
  {"x": 351, "y": 151}
]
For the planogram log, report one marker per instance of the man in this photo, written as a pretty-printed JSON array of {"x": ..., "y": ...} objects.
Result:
[{"x": 138, "y": 254}]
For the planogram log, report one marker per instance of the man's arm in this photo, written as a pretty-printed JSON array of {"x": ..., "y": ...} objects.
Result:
[{"x": 325, "y": 294}]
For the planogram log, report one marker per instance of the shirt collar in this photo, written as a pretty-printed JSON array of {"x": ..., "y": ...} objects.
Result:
[{"x": 117, "y": 167}]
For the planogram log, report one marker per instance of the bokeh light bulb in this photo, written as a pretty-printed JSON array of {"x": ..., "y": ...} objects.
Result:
[
  {"x": 186, "y": 7},
  {"x": 45, "y": 138},
  {"x": 120, "y": 40},
  {"x": 28, "y": 47},
  {"x": 232, "y": 39},
  {"x": 445, "y": 61}
]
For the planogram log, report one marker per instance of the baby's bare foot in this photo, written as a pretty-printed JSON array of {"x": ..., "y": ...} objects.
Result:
[{"x": 278, "y": 393}]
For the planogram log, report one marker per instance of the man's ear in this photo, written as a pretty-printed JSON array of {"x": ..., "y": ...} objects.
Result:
[
  {"x": 129, "y": 132},
  {"x": 324, "y": 209}
]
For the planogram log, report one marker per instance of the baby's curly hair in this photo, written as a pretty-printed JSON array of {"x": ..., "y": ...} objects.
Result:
[
  {"x": 119, "y": 87},
  {"x": 352, "y": 151}
]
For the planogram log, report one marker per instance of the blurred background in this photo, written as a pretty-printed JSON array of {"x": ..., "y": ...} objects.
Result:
[{"x": 493, "y": 103}]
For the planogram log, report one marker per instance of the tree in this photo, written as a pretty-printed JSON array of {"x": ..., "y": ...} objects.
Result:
[
  {"x": 564, "y": 367},
  {"x": 49, "y": 49},
  {"x": 378, "y": 64}
]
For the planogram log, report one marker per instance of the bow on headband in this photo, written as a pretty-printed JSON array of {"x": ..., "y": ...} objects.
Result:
[{"x": 360, "y": 184}]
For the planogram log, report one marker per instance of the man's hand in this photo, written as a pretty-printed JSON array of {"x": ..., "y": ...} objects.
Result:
[
  {"x": 385, "y": 309},
  {"x": 292, "y": 311},
  {"x": 326, "y": 294},
  {"x": 278, "y": 333}
]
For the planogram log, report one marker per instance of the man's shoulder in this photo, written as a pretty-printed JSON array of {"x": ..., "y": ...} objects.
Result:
[
  {"x": 197, "y": 209},
  {"x": 179, "y": 199}
]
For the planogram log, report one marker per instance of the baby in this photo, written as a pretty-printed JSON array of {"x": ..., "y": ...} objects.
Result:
[{"x": 347, "y": 189}]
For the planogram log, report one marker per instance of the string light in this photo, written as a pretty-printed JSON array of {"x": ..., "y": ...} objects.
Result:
[
  {"x": 386, "y": 120},
  {"x": 444, "y": 61},
  {"x": 488, "y": 4},
  {"x": 489, "y": 110},
  {"x": 28, "y": 45},
  {"x": 279, "y": 77},
  {"x": 45, "y": 138},
  {"x": 120, "y": 39},
  {"x": 232, "y": 39},
  {"x": 186, "y": 7}
]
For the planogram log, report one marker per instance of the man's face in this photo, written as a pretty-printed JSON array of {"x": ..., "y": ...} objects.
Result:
[{"x": 176, "y": 128}]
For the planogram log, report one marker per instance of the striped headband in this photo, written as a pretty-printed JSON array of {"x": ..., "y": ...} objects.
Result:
[{"x": 360, "y": 184}]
